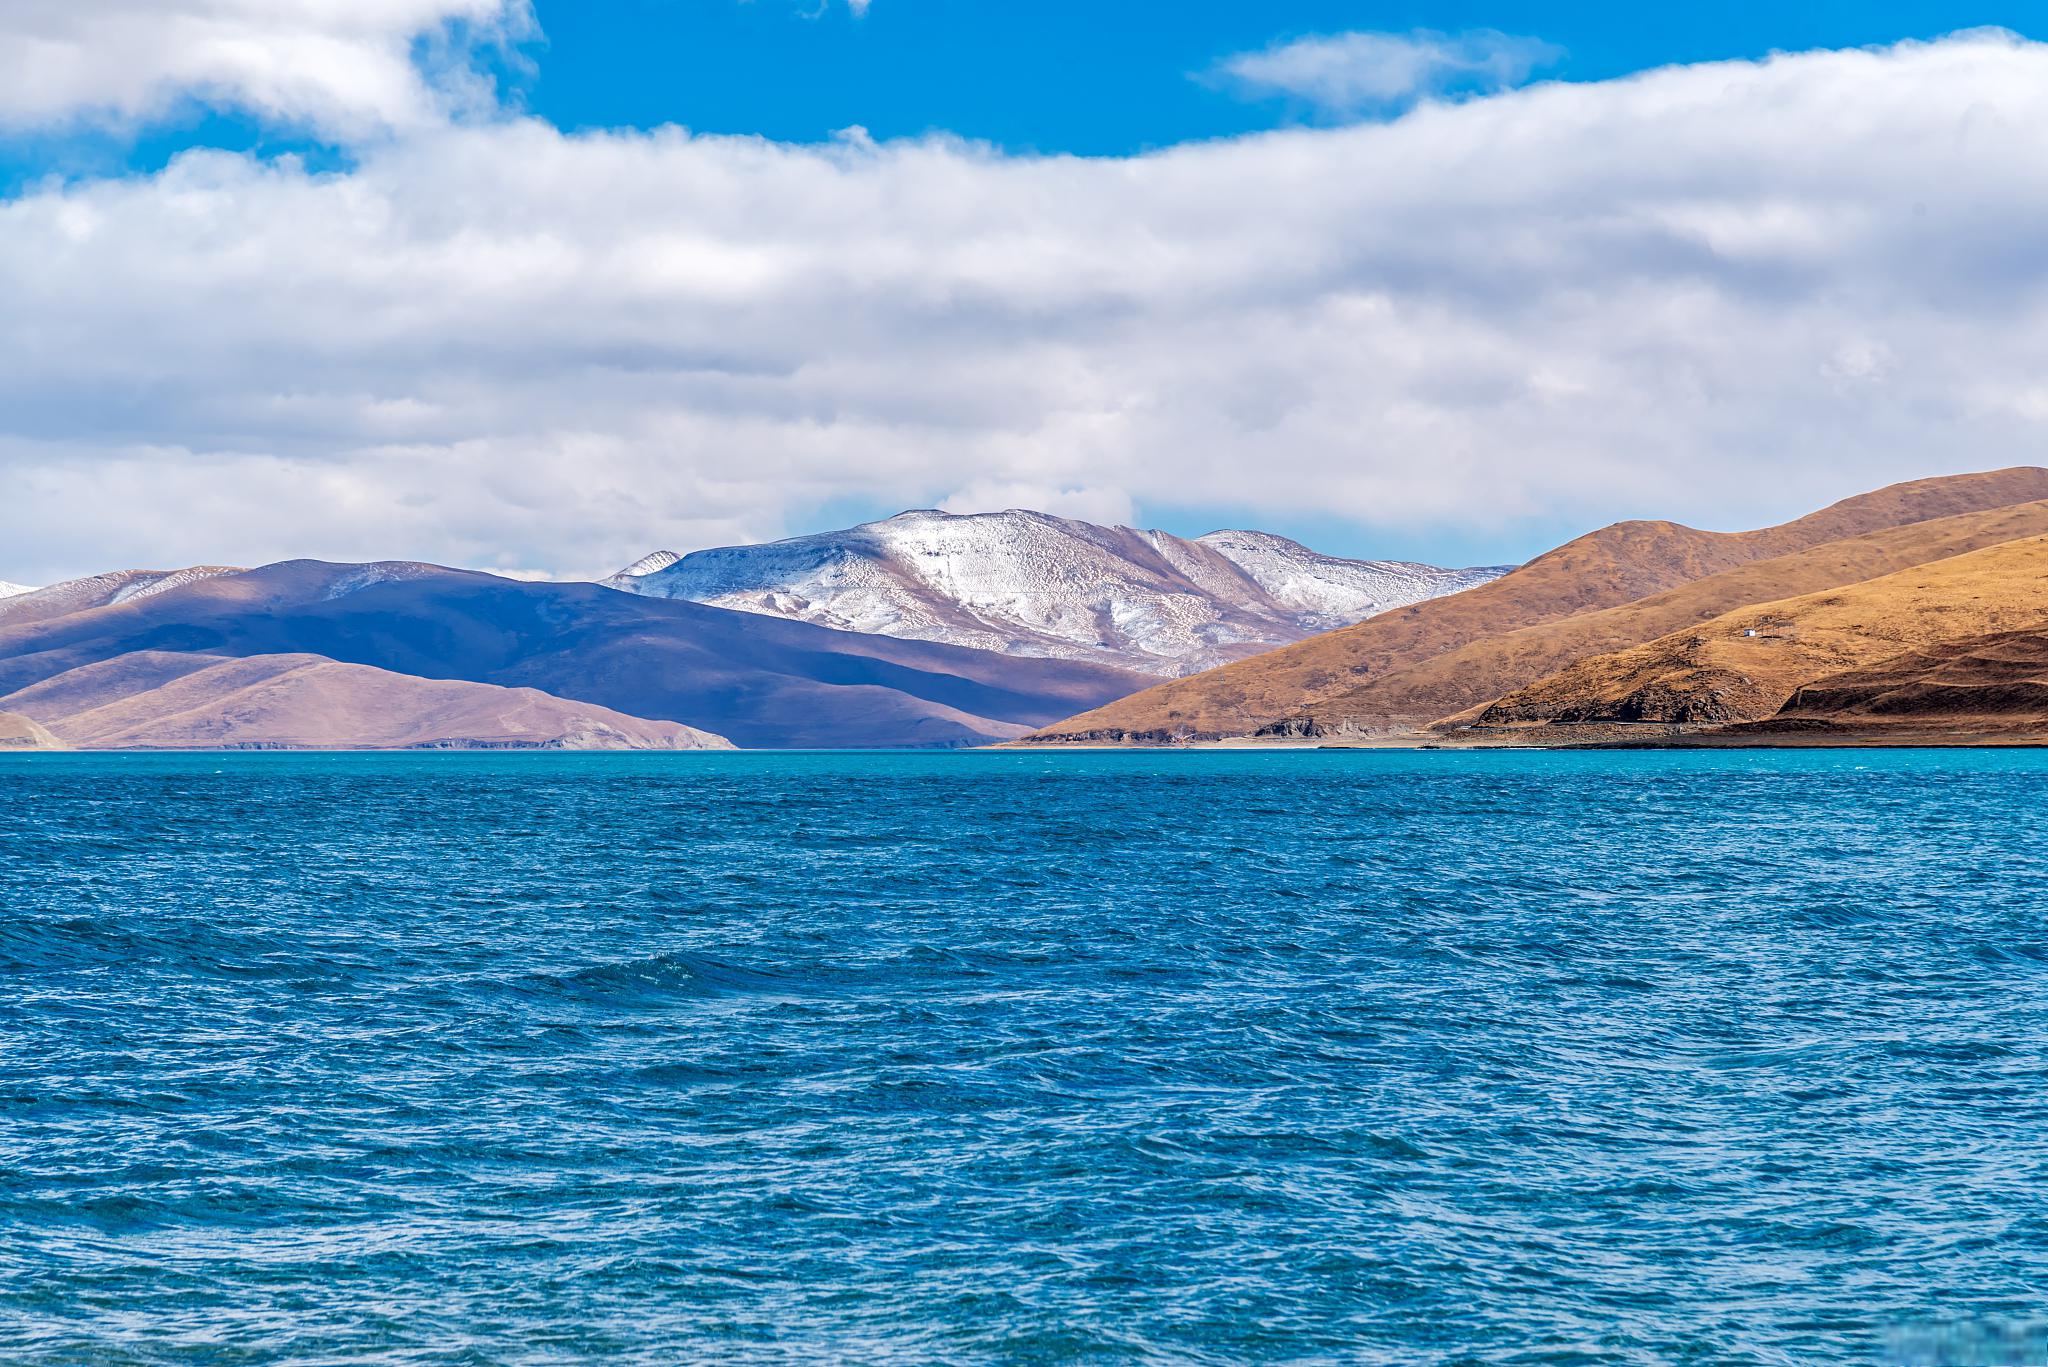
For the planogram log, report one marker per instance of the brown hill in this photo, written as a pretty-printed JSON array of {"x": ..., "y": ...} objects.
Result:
[
  {"x": 1605, "y": 569},
  {"x": 1485, "y": 669},
  {"x": 167, "y": 700},
  {"x": 19, "y": 733},
  {"x": 1978, "y": 688},
  {"x": 1745, "y": 665}
]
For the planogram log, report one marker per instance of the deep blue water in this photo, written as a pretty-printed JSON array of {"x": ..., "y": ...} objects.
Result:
[{"x": 1216, "y": 1058}]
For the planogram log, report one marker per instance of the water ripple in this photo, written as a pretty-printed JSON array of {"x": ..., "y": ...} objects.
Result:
[{"x": 1206, "y": 1058}]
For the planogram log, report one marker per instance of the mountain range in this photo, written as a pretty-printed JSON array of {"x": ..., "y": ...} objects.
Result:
[
  {"x": 923, "y": 630},
  {"x": 756, "y": 681},
  {"x": 1026, "y": 583},
  {"x": 1917, "y": 613}
]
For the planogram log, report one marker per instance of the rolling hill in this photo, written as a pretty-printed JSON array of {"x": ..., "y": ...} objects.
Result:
[
  {"x": 1381, "y": 670},
  {"x": 1978, "y": 688},
  {"x": 166, "y": 700},
  {"x": 759, "y": 681},
  {"x": 1748, "y": 664},
  {"x": 21, "y": 733}
]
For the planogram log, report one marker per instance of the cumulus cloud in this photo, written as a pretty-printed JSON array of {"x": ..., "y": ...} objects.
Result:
[
  {"x": 1349, "y": 73},
  {"x": 1718, "y": 292},
  {"x": 347, "y": 68}
]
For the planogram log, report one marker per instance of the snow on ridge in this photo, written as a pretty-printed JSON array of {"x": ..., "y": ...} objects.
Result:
[
  {"x": 377, "y": 572},
  {"x": 103, "y": 590},
  {"x": 9, "y": 589},
  {"x": 154, "y": 583},
  {"x": 1030, "y": 583},
  {"x": 647, "y": 564},
  {"x": 1328, "y": 591}
]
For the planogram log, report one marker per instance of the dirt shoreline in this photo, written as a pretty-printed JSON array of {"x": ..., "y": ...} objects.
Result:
[{"x": 1752, "y": 737}]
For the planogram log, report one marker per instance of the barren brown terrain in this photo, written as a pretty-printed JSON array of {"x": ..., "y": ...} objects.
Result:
[
  {"x": 1983, "y": 689},
  {"x": 1379, "y": 674},
  {"x": 19, "y": 733},
  {"x": 162, "y": 700},
  {"x": 1477, "y": 673},
  {"x": 1746, "y": 665}
]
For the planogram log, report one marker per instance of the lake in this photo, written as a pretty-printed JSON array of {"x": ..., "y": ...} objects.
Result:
[{"x": 1212, "y": 1057}]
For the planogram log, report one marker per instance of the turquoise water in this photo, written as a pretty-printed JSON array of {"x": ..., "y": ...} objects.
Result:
[{"x": 1213, "y": 1058}]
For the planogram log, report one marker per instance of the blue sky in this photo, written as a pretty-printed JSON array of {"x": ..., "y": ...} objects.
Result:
[
  {"x": 1094, "y": 76},
  {"x": 1074, "y": 76},
  {"x": 414, "y": 279}
]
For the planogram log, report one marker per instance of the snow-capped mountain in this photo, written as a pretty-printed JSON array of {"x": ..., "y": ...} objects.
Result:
[
  {"x": 1028, "y": 583},
  {"x": 8, "y": 590},
  {"x": 101, "y": 590}
]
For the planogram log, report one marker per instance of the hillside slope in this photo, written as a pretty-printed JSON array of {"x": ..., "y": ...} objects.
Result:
[
  {"x": 1477, "y": 673},
  {"x": 757, "y": 680},
  {"x": 1979, "y": 688},
  {"x": 1746, "y": 665},
  {"x": 1026, "y": 583},
  {"x": 22, "y": 733},
  {"x": 99, "y": 591},
  {"x": 1617, "y": 565},
  {"x": 165, "y": 700}
]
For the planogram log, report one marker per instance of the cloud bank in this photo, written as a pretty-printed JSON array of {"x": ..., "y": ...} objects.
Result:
[{"x": 1712, "y": 291}]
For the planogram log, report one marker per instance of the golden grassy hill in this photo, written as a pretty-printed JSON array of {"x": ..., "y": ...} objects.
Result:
[
  {"x": 1605, "y": 569},
  {"x": 1747, "y": 664},
  {"x": 1978, "y": 688},
  {"x": 1480, "y": 671}
]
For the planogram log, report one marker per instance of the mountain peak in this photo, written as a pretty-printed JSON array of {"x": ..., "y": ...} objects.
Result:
[{"x": 1030, "y": 583}]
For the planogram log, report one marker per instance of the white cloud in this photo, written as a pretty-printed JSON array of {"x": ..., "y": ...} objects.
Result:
[
  {"x": 345, "y": 67},
  {"x": 1348, "y": 73},
  {"x": 1723, "y": 292}
]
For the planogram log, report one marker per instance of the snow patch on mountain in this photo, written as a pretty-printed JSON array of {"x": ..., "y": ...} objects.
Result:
[
  {"x": 152, "y": 583},
  {"x": 1028, "y": 583},
  {"x": 1326, "y": 592},
  {"x": 648, "y": 564},
  {"x": 377, "y": 572},
  {"x": 102, "y": 590},
  {"x": 11, "y": 590}
]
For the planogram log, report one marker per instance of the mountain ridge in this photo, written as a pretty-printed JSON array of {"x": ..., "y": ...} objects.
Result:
[
  {"x": 1746, "y": 665},
  {"x": 1608, "y": 568},
  {"x": 1032, "y": 584},
  {"x": 755, "y": 680}
]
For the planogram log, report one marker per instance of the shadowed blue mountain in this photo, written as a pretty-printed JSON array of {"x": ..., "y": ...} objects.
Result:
[{"x": 761, "y": 681}]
